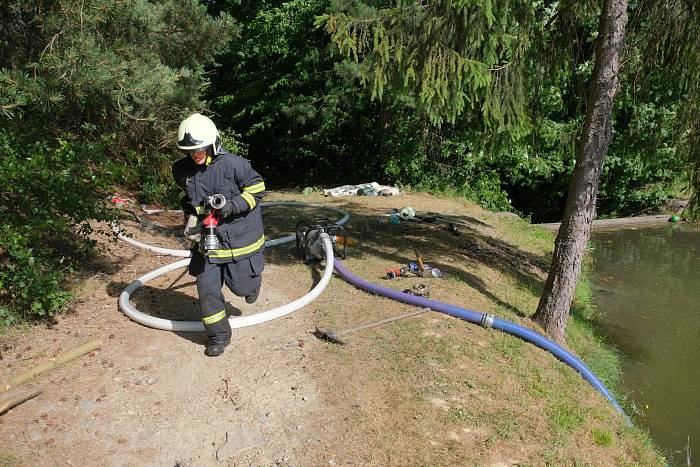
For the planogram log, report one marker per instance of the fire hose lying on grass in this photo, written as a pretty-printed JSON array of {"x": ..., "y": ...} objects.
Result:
[{"x": 315, "y": 239}]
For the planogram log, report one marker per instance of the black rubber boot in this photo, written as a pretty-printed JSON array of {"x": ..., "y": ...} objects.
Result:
[
  {"x": 253, "y": 296},
  {"x": 214, "y": 350}
]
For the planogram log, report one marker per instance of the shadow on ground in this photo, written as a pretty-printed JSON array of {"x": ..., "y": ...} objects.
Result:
[
  {"x": 454, "y": 243},
  {"x": 458, "y": 237},
  {"x": 170, "y": 304}
]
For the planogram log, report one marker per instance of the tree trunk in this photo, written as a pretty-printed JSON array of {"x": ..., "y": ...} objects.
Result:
[{"x": 553, "y": 309}]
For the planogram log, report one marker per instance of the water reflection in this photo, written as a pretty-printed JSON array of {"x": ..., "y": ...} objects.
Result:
[{"x": 646, "y": 288}]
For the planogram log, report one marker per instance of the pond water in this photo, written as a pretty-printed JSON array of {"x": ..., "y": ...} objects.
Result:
[{"x": 646, "y": 287}]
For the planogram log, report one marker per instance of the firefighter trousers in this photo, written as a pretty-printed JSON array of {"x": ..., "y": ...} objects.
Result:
[{"x": 242, "y": 277}]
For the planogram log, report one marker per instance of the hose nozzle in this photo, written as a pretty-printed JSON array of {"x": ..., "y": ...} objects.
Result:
[{"x": 217, "y": 201}]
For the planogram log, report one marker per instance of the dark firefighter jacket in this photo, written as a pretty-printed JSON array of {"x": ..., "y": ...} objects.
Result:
[{"x": 241, "y": 234}]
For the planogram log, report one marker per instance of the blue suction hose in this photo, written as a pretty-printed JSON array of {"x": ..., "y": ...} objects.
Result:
[{"x": 486, "y": 321}]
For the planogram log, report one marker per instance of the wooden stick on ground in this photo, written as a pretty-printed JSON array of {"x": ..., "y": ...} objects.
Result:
[
  {"x": 419, "y": 260},
  {"x": 16, "y": 397},
  {"x": 50, "y": 365}
]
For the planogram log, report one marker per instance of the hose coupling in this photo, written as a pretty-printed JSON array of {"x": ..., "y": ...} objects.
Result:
[
  {"x": 217, "y": 201},
  {"x": 309, "y": 233},
  {"x": 316, "y": 248},
  {"x": 487, "y": 321}
]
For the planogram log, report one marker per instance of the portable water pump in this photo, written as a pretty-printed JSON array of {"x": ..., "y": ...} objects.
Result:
[{"x": 308, "y": 234}]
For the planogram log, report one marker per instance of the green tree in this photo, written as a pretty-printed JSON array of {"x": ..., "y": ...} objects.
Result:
[
  {"x": 98, "y": 66},
  {"x": 292, "y": 101},
  {"x": 666, "y": 66},
  {"x": 450, "y": 56},
  {"x": 574, "y": 232},
  {"x": 90, "y": 94}
]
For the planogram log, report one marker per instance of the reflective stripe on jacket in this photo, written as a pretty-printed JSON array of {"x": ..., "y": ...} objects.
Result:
[{"x": 241, "y": 234}]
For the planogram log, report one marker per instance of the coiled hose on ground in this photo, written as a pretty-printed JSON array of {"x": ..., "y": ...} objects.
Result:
[{"x": 236, "y": 322}]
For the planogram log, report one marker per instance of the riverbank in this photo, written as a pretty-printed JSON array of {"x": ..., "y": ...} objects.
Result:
[
  {"x": 429, "y": 390},
  {"x": 619, "y": 223}
]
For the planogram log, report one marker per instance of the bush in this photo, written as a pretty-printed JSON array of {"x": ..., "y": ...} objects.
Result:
[
  {"x": 50, "y": 190},
  {"x": 68, "y": 77}
]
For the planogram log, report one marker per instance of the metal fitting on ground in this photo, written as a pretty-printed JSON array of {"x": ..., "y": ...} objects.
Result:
[{"x": 316, "y": 248}]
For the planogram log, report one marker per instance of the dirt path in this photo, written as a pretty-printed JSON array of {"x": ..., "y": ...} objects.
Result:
[{"x": 152, "y": 397}]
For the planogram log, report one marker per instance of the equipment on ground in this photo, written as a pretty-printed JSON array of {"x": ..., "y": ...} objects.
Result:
[
  {"x": 407, "y": 213},
  {"x": 308, "y": 234},
  {"x": 428, "y": 270},
  {"x": 335, "y": 337},
  {"x": 421, "y": 269},
  {"x": 395, "y": 272},
  {"x": 419, "y": 290},
  {"x": 485, "y": 320}
]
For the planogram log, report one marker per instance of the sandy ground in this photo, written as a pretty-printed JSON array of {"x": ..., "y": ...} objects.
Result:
[{"x": 152, "y": 397}]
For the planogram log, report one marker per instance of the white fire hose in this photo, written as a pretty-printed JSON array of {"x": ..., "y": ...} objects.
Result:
[{"x": 236, "y": 322}]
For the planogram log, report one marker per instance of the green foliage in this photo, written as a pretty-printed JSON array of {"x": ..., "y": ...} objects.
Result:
[
  {"x": 478, "y": 99},
  {"x": 643, "y": 165},
  {"x": 666, "y": 52},
  {"x": 452, "y": 56},
  {"x": 394, "y": 45},
  {"x": 132, "y": 67},
  {"x": 232, "y": 141},
  {"x": 297, "y": 109},
  {"x": 602, "y": 437},
  {"x": 307, "y": 121},
  {"x": 91, "y": 93},
  {"x": 566, "y": 417},
  {"x": 50, "y": 192},
  {"x": 309, "y": 190},
  {"x": 308, "y": 116}
]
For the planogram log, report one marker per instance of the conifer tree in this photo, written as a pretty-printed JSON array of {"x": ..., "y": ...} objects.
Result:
[
  {"x": 665, "y": 36},
  {"x": 452, "y": 56}
]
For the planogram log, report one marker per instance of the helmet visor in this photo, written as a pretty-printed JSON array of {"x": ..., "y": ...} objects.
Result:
[{"x": 189, "y": 143}]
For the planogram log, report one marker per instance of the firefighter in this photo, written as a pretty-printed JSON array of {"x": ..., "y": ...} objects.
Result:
[{"x": 209, "y": 169}]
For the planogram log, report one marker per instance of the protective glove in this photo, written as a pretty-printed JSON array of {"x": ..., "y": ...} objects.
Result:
[
  {"x": 186, "y": 206},
  {"x": 193, "y": 230},
  {"x": 228, "y": 209}
]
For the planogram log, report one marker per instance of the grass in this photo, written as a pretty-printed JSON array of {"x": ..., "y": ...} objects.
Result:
[
  {"x": 566, "y": 417},
  {"x": 509, "y": 348},
  {"x": 433, "y": 390},
  {"x": 7, "y": 460},
  {"x": 602, "y": 437}
]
